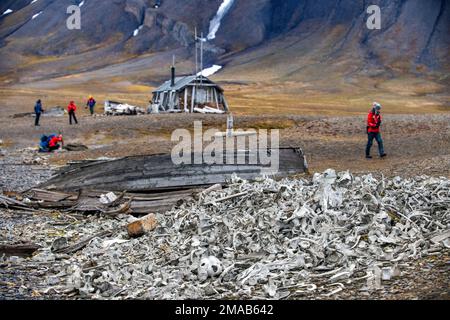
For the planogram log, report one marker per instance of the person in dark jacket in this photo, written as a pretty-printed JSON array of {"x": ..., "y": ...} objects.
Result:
[
  {"x": 91, "y": 104},
  {"x": 38, "y": 110},
  {"x": 72, "y": 108},
  {"x": 374, "y": 120}
]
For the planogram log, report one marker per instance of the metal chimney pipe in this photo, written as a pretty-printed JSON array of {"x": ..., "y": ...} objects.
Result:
[{"x": 172, "y": 83}]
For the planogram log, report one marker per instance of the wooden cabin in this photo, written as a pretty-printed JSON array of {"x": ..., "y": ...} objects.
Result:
[{"x": 189, "y": 94}]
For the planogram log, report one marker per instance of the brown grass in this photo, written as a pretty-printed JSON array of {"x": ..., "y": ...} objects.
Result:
[{"x": 255, "y": 99}]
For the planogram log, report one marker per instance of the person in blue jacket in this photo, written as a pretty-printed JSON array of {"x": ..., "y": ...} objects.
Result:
[
  {"x": 38, "y": 110},
  {"x": 91, "y": 104},
  {"x": 43, "y": 145}
]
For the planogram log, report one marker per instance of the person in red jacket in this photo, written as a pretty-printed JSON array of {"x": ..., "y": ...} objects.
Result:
[
  {"x": 72, "y": 108},
  {"x": 374, "y": 120},
  {"x": 53, "y": 143}
]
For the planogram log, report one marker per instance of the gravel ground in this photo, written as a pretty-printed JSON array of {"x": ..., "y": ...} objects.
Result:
[
  {"x": 414, "y": 143},
  {"x": 24, "y": 169}
]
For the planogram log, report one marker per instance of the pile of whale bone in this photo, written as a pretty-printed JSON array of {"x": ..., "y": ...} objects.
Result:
[{"x": 273, "y": 239}]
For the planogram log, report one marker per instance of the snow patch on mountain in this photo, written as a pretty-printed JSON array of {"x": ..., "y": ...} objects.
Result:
[
  {"x": 136, "y": 32},
  {"x": 210, "y": 71},
  {"x": 36, "y": 15},
  {"x": 216, "y": 21},
  {"x": 7, "y": 12}
]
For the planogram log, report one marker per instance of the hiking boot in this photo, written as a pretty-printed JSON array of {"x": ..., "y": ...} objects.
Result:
[
  {"x": 383, "y": 155},
  {"x": 369, "y": 157}
]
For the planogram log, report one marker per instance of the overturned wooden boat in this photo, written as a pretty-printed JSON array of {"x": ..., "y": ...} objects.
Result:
[{"x": 154, "y": 173}]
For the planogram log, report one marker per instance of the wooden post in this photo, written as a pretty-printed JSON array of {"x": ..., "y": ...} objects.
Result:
[
  {"x": 225, "y": 103},
  {"x": 174, "y": 100},
  {"x": 215, "y": 97},
  {"x": 177, "y": 101},
  {"x": 186, "y": 100},
  {"x": 162, "y": 101},
  {"x": 193, "y": 100},
  {"x": 170, "y": 100}
]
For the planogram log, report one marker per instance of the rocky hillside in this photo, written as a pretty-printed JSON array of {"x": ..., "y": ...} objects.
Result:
[{"x": 258, "y": 38}]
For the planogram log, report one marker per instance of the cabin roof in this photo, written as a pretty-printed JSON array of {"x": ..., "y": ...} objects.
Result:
[{"x": 181, "y": 82}]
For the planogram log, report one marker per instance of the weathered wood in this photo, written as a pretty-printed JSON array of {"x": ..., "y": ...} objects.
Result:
[
  {"x": 53, "y": 205},
  {"x": 75, "y": 147},
  {"x": 237, "y": 195},
  {"x": 206, "y": 110},
  {"x": 158, "y": 172},
  {"x": 117, "y": 201},
  {"x": 136, "y": 203},
  {"x": 162, "y": 100},
  {"x": 225, "y": 103},
  {"x": 215, "y": 187},
  {"x": 51, "y": 196},
  {"x": 19, "y": 250},
  {"x": 171, "y": 101},
  {"x": 142, "y": 226},
  {"x": 83, "y": 243},
  {"x": 9, "y": 202},
  {"x": 193, "y": 99},
  {"x": 125, "y": 208},
  {"x": 22, "y": 115},
  {"x": 201, "y": 84},
  {"x": 177, "y": 102},
  {"x": 142, "y": 208},
  {"x": 216, "y": 99}
]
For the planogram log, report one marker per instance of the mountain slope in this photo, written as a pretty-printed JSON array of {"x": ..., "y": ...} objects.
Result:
[{"x": 321, "y": 42}]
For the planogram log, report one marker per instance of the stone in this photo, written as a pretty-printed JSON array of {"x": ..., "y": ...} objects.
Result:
[
  {"x": 142, "y": 226},
  {"x": 59, "y": 243}
]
